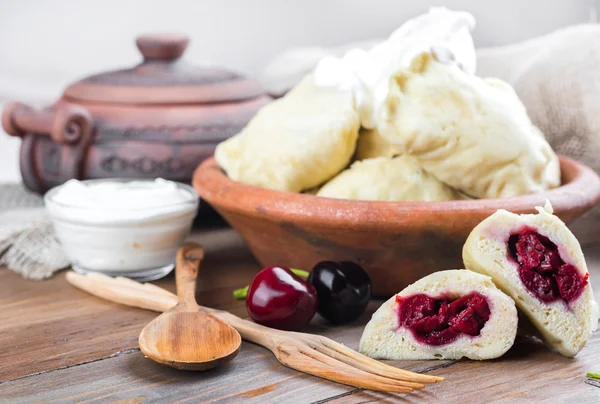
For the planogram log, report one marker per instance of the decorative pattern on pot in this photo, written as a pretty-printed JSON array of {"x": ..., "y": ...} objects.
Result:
[{"x": 160, "y": 118}]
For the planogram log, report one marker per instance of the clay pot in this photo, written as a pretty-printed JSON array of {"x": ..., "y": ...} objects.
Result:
[
  {"x": 396, "y": 242},
  {"x": 158, "y": 119}
]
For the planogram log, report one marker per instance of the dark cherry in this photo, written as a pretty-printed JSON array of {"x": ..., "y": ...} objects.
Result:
[
  {"x": 280, "y": 299},
  {"x": 439, "y": 321},
  {"x": 542, "y": 269},
  {"x": 344, "y": 290}
]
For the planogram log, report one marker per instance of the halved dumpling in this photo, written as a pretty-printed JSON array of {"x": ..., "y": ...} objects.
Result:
[
  {"x": 537, "y": 261},
  {"x": 296, "y": 142},
  {"x": 388, "y": 179},
  {"x": 446, "y": 315}
]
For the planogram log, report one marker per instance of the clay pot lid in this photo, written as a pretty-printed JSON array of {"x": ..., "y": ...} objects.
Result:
[{"x": 163, "y": 78}]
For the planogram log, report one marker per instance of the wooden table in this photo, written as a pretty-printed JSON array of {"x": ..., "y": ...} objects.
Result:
[{"x": 59, "y": 344}]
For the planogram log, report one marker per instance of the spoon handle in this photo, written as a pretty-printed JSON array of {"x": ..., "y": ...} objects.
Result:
[{"x": 188, "y": 261}]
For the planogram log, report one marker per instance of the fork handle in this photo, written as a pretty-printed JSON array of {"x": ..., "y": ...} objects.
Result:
[
  {"x": 123, "y": 291},
  {"x": 250, "y": 331},
  {"x": 147, "y": 296}
]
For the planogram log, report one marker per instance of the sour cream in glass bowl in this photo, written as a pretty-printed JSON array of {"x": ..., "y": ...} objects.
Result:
[{"x": 122, "y": 227}]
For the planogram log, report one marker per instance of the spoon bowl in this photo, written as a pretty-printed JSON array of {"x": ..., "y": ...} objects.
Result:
[{"x": 186, "y": 337}]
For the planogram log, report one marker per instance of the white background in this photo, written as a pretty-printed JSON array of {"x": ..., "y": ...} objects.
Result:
[{"x": 44, "y": 45}]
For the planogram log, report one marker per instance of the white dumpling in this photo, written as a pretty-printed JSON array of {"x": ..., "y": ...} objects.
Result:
[
  {"x": 387, "y": 179},
  {"x": 296, "y": 142},
  {"x": 471, "y": 133},
  {"x": 387, "y": 335},
  {"x": 559, "y": 301}
]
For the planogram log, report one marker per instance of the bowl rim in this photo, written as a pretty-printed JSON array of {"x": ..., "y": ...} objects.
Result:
[
  {"x": 118, "y": 217},
  {"x": 580, "y": 187},
  {"x": 51, "y": 193}
]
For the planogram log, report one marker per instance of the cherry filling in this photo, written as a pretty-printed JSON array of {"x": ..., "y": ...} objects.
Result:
[
  {"x": 542, "y": 270},
  {"x": 441, "y": 321}
]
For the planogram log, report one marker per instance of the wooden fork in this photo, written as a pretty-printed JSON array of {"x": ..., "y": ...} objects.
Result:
[{"x": 308, "y": 353}]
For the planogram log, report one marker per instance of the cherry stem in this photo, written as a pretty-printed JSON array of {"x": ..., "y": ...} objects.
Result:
[
  {"x": 593, "y": 375},
  {"x": 240, "y": 294}
]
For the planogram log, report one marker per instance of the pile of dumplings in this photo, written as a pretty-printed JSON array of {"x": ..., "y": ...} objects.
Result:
[{"x": 441, "y": 134}]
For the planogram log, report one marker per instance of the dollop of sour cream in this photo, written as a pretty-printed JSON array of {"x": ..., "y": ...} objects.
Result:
[
  {"x": 367, "y": 73},
  {"x": 121, "y": 200}
]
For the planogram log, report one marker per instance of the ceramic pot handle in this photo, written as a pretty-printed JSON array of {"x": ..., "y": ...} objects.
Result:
[
  {"x": 162, "y": 46},
  {"x": 65, "y": 124}
]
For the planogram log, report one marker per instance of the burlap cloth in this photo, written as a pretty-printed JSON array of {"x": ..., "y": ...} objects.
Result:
[
  {"x": 557, "y": 76},
  {"x": 27, "y": 241}
]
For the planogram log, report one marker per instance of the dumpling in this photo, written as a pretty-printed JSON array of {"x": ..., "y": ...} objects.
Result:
[
  {"x": 371, "y": 145},
  {"x": 538, "y": 262},
  {"x": 386, "y": 179},
  {"x": 296, "y": 142},
  {"x": 446, "y": 315},
  {"x": 471, "y": 133}
]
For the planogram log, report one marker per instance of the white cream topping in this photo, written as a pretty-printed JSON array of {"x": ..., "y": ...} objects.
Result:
[
  {"x": 110, "y": 200},
  {"x": 366, "y": 73}
]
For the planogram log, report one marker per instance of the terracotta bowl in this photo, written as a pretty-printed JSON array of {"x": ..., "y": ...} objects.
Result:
[{"x": 396, "y": 242}]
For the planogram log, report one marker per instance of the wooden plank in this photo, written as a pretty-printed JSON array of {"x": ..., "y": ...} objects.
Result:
[
  {"x": 254, "y": 376},
  {"x": 38, "y": 316},
  {"x": 250, "y": 378},
  {"x": 50, "y": 324},
  {"x": 529, "y": 372},
  {"x": 45, "y": 327}
]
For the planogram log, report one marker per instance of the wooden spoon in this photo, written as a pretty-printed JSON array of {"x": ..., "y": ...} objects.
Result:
[{"x": 186, "y": 337}]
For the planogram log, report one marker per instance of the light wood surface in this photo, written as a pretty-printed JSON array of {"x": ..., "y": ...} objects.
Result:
[{"x": 61, "y": 344}]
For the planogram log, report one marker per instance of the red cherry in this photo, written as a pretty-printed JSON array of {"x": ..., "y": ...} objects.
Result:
[{"x": 280, "y": 299}]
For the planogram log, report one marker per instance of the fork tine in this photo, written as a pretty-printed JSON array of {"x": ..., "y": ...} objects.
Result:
[
  {"x": 374, "y": 366},
  {"x": 393, "y": 378},
  {"x": 324, "y": 358},
  {"x": 339, "y": 372},
  {"x": 358, "y": 374}
]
